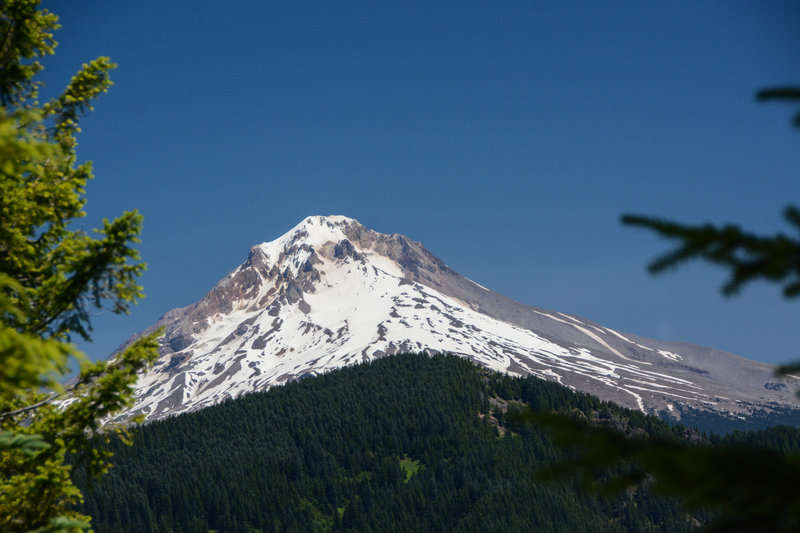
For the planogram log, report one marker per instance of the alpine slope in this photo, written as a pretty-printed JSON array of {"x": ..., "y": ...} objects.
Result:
[{"x": 331, "y": 292}]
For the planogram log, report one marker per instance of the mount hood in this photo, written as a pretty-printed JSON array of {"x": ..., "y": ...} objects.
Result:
[{"x": 331, "y": 292}]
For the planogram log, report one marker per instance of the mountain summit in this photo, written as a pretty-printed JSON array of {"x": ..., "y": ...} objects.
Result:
[{"x": 331, "y": 292}]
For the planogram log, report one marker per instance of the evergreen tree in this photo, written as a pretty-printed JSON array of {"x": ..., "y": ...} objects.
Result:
[{"x": 51, "y": 278}]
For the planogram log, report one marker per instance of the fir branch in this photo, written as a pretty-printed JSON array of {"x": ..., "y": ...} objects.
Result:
[{"x": 746, "y": 256}]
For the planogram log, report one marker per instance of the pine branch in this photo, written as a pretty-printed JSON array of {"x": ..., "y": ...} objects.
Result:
[
  {"x": 782, "y": 94},
  {"x": 779, "y": 93},
  {"x": 746, "y": 256}
]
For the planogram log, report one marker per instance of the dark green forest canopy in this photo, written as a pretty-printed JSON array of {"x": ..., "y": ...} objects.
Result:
[{"x": 406, "y": 443}]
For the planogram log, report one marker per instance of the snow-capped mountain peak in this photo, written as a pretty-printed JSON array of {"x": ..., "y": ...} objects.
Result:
[
  {"x": 312, "y": 231},
  {"x": 331, "y": 292}
]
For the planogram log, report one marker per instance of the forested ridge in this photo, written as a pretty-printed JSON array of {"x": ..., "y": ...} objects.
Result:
[{"x": 405, "y": 443}]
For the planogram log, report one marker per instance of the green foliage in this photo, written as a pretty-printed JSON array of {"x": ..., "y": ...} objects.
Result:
[
  {"x": 408, "y": 467},
  {"x": 328, "y": 454},
  {"x": 27, "y": 37},
  {"x": 51, "y": 277}
]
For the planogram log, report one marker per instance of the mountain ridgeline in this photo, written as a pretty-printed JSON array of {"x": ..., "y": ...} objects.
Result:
[
  {"x": 407, "y": 443},
  {"x": 331, "y": 292}
]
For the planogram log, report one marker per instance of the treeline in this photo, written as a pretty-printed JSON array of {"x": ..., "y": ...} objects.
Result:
[
  {"x": 406, "y": 443},
  {"x": 724, "y": 424}
]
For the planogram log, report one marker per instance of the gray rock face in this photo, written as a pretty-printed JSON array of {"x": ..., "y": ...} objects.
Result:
[{"x": 332, "y": 292}]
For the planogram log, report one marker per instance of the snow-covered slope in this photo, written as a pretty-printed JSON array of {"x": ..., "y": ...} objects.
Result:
[{"x": 331, "y": 292}]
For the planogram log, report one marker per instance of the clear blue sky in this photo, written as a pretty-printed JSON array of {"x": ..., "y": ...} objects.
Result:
[{"x": 508, "y": 137}]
